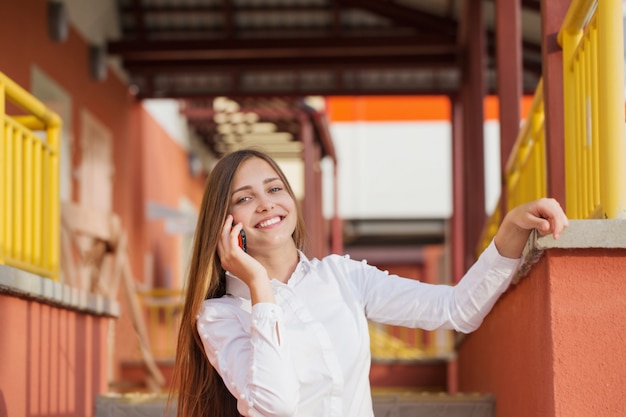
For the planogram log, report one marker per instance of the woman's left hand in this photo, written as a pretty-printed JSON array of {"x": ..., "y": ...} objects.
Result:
[{"x": 545, "y": 215}]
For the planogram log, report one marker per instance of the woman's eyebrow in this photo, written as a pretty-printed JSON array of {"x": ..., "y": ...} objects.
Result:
[
  {"x": 268, "y": 180},
  {"x": 245, "y": 187},
  {"x": 248, "y": 187}
]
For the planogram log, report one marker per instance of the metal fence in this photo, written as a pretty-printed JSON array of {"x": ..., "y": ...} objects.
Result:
[
  {"x": 29, "y": 183},
  {"x": 593, "y": 99}
]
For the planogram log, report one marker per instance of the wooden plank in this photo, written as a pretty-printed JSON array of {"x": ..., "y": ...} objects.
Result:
[
  {"x": 87, "y": 221},
  {"x": 156, "y": 380}
]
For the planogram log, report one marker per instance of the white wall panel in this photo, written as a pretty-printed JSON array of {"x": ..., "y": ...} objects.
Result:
[{"x": 394, "y": 169}]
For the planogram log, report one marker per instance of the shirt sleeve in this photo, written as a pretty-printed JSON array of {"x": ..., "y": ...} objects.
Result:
[
  {"x": 405, "y": 302},
  {"x": 252, "y": 355}
]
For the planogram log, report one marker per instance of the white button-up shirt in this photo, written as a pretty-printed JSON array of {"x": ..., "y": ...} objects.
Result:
[{"x": 308, "y": 355}]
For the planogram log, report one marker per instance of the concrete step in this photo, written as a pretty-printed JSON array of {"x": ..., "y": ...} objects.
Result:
[
  {"x": 386, "y": 404},
  {"x": 410, "y": 404},
  {"x": 133, "y": 405}
]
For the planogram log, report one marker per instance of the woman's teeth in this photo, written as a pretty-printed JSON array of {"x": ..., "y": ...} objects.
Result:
[{"x": 269, "y": 222}]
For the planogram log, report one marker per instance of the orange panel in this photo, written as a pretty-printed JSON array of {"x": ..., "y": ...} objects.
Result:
[
  {"x": 404, "y": 108},
  {"x": 388, "y": 108}
]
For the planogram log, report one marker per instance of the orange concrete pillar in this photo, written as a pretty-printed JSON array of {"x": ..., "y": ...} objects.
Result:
[
  {"x": 554, "y": 343},
  {"x": 54, "y": 359}
]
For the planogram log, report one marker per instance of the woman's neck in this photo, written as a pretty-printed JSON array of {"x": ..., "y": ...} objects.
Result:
[{"x": 280, "y": 263}]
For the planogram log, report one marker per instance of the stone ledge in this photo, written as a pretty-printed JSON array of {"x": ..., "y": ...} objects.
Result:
[
  {"x": 27, "y": 285},
  {"x": 134, "y": 405},
  {"x": 580, "y": 234},
  {"x": 388, "y": 403}
]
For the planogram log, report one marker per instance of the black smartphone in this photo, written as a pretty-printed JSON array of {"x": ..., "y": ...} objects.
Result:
[{"x": 242, "y": 240}]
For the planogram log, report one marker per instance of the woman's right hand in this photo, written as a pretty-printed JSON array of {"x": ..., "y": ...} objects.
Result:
[{"x": 236, "y": 261}]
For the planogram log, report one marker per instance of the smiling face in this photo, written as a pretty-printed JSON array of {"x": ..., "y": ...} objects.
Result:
[{"x": 260, "y": 200}]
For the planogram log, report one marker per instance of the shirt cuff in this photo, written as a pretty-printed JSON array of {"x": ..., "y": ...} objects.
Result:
[
  {"x": 493, "y": 257},
  {"x": 262, "y": 311},
  {"x": 264, "y": 324},
  {"x": 265, "y": 315}
]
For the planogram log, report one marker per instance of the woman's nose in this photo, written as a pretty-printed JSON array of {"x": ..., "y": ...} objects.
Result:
[{"x": 265, "y": 204}]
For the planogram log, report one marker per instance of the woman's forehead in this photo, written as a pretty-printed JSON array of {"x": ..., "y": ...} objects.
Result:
[{"x": 254, "y": 170}]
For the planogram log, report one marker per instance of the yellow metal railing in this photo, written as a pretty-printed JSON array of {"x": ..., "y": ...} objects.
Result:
[
  {"x": 593, "y": 75},
  {"x": 595, "y": 144},
  {"x": 29, "y": 183},
  {"x": 490, "y": 229},
  {"x": 396, "y": 343},
  {"x": 163, "y": 308},
  {"x": 525, "y": 173},
  {"x": 526, "y": 168}
]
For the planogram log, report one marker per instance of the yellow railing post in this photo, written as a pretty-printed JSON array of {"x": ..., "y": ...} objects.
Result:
[
  {"x": 569, "y": 37},
  {"x": 611, "y": 108},
  {"x": 3, "y": 165},
  {"x": 9, "y": 184},
  {"x": 593, "y": 76}
]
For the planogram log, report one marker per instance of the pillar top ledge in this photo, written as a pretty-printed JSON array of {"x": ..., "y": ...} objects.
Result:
[{"x": 580, "y": 234}]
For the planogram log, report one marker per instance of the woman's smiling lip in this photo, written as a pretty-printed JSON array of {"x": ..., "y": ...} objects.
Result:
[{"x": 269, "y": 222}]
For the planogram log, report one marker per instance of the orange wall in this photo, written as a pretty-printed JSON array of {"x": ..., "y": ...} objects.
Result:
[
  {"x": 40, "y": 343},
  {"x": 166, "y": 173},
  {"x": 138, "y": 142},
  {"x": 553, "y": 345},
  {"x": 109, "y": 100}
]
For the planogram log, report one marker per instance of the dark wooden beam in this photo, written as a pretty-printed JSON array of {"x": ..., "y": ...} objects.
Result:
[
  {"x": 238, "y": 91},
  {"x": 138, "y": 16},
  {"x": 229, "y": 19},
  {"x": 171, "y": 49},
  {"x": 404, "y": 15},
  {"x": 552, "y": 14},
  {"x": 216, "y": 8},
  {"x": 509, "y": 73},
  {"x": 473, "y": 92},
  {"x": 289, "y": 64}
]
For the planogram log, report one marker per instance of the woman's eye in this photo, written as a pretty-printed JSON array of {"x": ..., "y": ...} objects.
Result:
[
  {"x": 242, "y": 200},
  {"x": 275, "y": 189}
]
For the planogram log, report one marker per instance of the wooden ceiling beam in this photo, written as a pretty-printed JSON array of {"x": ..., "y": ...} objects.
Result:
[
  {"x": 403, "y": 15},
  {"x": 138, "y": 15},
  {"x": 169, "y": 49},
  {"x": 289, "y": 64},
  {"x": 216, "y": 8}
]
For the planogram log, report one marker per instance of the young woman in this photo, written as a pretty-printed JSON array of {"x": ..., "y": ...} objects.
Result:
[{"x": 269, "y": 332}]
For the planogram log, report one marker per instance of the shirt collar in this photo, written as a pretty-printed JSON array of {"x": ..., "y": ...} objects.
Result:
[{"x": 236, "y": 287}]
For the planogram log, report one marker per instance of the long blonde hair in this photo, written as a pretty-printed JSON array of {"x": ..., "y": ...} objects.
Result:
[{"x": 201, "y": 391}]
